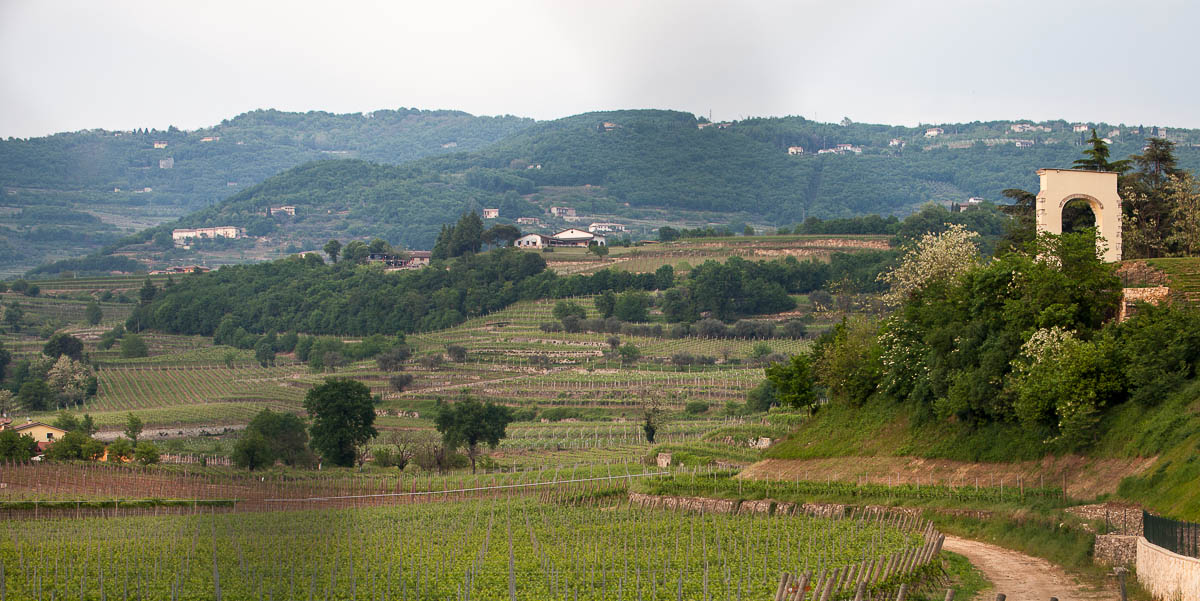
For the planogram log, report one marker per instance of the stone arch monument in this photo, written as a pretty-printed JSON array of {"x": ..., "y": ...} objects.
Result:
[{"x": 1098, "y": 188}]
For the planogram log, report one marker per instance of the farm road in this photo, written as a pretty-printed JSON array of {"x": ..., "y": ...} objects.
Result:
[{"x": 1024, "y": 578}]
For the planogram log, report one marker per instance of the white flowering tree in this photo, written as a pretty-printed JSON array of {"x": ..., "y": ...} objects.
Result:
[
  {"x": 935, "y": 258},
  {"x": 1062, "y": 383},
  {"x": 70, "y": 379}
]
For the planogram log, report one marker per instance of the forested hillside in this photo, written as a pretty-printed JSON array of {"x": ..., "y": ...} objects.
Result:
[
  {"x": 132, "y": 179},
  {"x": 644, "y": 167}
]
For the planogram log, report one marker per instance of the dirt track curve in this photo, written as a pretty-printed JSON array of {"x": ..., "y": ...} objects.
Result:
[{"x": 1024, "y": 578}]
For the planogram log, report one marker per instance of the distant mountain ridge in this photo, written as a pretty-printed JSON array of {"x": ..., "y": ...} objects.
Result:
[{"x": 647, "y": 166}]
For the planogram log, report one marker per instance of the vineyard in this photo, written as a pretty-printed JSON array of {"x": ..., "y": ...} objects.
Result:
[{"x": 487, "y": 549}]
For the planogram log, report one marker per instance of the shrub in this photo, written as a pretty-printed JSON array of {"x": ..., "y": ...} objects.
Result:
[
  {"x": 695, "y": 407},
  {"x": 456, "y": 352}
]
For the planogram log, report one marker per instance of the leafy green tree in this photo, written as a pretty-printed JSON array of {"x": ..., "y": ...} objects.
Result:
[
  {"x": 133, "y": 346},
  {"x": 147, "y": 292},
  {"x": 502, "y": 233},
  {"x": 761, "y": 398},
  {"x": 120, "y": 450},
  {"x": 91, "y": 450},
  {"x": 35, "y": 395},
  {"x": 264, "y": 352},
  {"x": 564, "y": 308},
  {"x": 393, "y": 359},
  {"x": 15, "y": 446},
  {"x": 145, "y": 453},
  {"x": 456, "y": 352},
  {"x": 847, "y": 361},
  {"x": 651, "y": 418},
  {"x": 93, "y": 314},
  {"x": 63, "y": 344},
  {"x": 333, "y": 248},
  {"x": 632, "y": 305},
  {"x": 343, "y": 417},
  {"x": 629, "y": 354},
  {"x": 1063, "y": 384},
  {"x": 355, "y": 252},
  {"x": 600, "y": 250},
  {"x": 66, "y": 421},
  {"x": 469, "y": 423},
  {"x": 400, "y": 381},
  {"x": 252, "y": 451},
  {"x": 793, "y": 382},
  {"x": 133, "y": 428},
  {"x": 605, "y": 303},
  {"x": 286, "y": 435},
  {"x": 69, "y": 447}
]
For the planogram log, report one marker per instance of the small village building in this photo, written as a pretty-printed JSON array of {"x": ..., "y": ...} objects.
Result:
[
  {"x": 418, "y": 259},
  {"x": 225, "y": 231},
  {"x": 41, "y": 433},
  {"x": 795, "y": 150},
  {"x": 528, "y": 221},
  {"x": 160, "y": 144},
  {"x": 532, "y": 241},
  {"x": 283, "y": 210},
  {"x": 934, "y": 132},
  {"x": 562, "y": 212},
  {"x": 182, "y": 269},
  {"x": 600, "y": 227},
  {"x": 491, "y": 213},
  {"x": 167, "y": 163},
  {"x": 1079, "y": 128},
  {"x": 895, "y": 142},
  {"x": 211, "y": 139}
]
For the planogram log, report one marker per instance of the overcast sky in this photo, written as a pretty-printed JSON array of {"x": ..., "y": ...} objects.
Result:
[{"x": 68, "y": 65}]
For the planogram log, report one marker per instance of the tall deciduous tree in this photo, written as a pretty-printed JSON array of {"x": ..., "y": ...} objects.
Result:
[
  {"x": 333, "y": 248},
  {"x": 793, "y": 382},
  {"x": 133, "y": 428},
  {"x": 468, "y": 423},
  {"x": 343, "y": 419}
]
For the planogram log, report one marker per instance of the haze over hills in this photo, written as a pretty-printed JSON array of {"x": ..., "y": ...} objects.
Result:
[{"x": 641, "y": 167}]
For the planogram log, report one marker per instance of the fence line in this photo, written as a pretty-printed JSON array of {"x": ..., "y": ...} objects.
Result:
[{"x": 1175, "y": 536}]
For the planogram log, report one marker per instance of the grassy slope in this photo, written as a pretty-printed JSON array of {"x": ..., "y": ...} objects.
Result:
[{"x": 1170, "y": 431}]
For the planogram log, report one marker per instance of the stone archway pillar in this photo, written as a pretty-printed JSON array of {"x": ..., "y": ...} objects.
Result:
[{"x": 1098, "y": 188}]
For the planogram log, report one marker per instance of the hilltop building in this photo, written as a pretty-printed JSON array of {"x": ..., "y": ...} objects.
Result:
[
  {"x": 491, "y": 213},
  {"x": 934, "y": 132}
]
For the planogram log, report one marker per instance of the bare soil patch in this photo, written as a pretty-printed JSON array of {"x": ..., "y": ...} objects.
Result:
[{"x": 1083, "y": 477}]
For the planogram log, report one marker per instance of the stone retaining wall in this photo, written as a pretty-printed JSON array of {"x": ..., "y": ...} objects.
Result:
[
  {"x": 1116, "y": 550},
  {"x": 1168, "y": 576}
]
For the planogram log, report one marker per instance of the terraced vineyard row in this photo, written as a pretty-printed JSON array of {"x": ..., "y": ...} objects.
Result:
[{"x": 142, "y": 388}]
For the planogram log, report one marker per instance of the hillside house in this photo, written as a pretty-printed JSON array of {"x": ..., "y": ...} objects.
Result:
[
  {"x": 895, "y": 142},
  {"x": 491, "y": 213},
  {"x": 43, "y": 434},
  {"x": 283, "y": 210},
  {"x": 1021, "y": 128},
  {"x": 1023, "y": 143},
  {"x": 795, "y": 150},
  {"x": 167, "y": 163},
  {"x": 160, "y": 144},
  {"x": 211, "y": 139},
  {"x": 528, "y": 221},
  {"x": 563, "y": 212},
  {"x": 1079, "y": 128},
  {"x": 566, "y": 238},
  {"x": 934, "y": 132},
  {"x": 224, "y": 231},
  {"x": 607, "y": 227},
  {"x": 418, "y": 259},
  {"x": 532, "y": 241},
  {"x": 182, "y": 269},
  {"x": 608, "y": 126}
]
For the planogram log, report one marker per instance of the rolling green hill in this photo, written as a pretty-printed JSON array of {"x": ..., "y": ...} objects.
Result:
[
  {"x": 134, "y": 179},
  {"x": 642, "y": 167}
]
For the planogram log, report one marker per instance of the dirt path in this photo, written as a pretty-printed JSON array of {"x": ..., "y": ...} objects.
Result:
[{"x": 1024, "y": 578}]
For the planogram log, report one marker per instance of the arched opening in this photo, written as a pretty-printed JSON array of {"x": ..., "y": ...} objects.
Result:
[{"x": 1078, "y": 215}]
